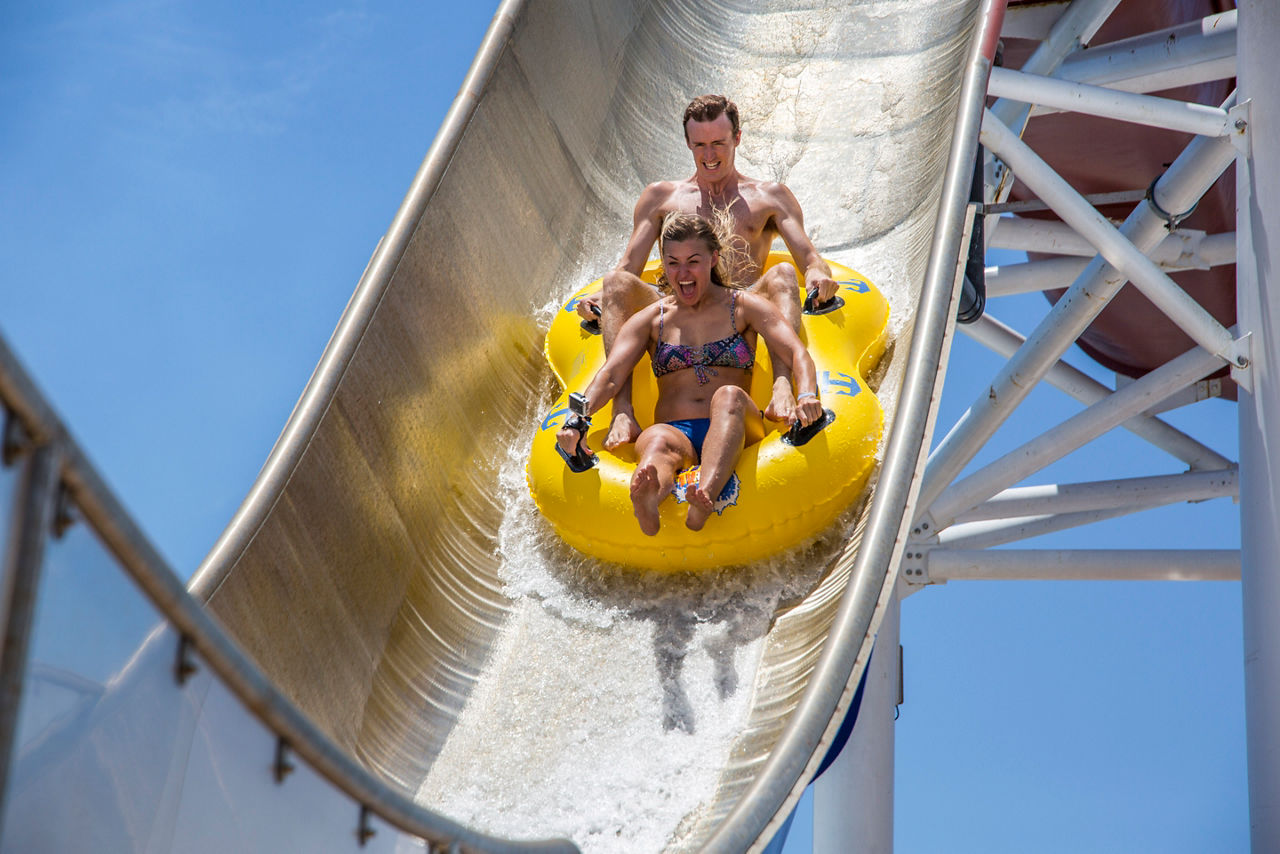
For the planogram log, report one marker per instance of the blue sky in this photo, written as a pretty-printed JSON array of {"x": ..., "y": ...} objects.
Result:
[{"x": 190, "y": 193}]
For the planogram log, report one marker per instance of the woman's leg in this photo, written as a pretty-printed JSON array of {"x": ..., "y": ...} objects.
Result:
[
  {"x": 730, "y": 409},
  {"x": 663, "y": 450}
]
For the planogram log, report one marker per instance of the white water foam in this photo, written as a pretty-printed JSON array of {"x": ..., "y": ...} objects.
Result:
[
  {"x": 610, "y": 704},
  {"x": 611, "y": 701}
]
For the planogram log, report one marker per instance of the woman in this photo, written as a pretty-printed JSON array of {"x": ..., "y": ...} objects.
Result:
[{"x": 702, "y": 340}]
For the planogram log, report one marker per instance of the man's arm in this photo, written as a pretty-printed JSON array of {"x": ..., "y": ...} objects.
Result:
[
  {"x": 645, "y": 224},
  {"x": 785, "y": 346},
  {"x": 789, "y": 220}
]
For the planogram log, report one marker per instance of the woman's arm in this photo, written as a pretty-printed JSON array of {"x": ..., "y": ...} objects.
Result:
[
  {"x": 628, "y": 347},
  {"x": 786, "y": 346}
]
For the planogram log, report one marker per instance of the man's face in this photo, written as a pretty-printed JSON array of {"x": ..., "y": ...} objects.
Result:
[{"x": 713, "y": 144}]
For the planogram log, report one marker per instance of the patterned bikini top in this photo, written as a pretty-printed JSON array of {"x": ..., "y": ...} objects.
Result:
[{"x": 730, "y": 352}]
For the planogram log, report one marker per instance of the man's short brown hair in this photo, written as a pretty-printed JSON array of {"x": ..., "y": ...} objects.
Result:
[{"x": 707, "y": 108}]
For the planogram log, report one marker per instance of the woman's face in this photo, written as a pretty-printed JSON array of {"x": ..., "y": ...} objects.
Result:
[{"x": 688, "y": 265}]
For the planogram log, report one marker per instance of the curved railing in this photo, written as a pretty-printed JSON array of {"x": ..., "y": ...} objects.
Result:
[{"x": 58, "y": 486}]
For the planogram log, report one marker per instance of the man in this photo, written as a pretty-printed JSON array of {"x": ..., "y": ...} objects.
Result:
[{"x": 760, "y": 210}]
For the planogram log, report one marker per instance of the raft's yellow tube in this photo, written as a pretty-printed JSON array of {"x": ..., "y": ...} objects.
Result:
[{"x": 785, "y": 494}]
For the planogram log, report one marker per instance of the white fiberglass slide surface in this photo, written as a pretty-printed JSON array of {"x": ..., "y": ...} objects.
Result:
[{"x": 389, "y": 571}]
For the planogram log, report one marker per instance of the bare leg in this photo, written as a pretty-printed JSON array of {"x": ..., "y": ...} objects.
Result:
[
  {"x": 730, "y": 409},
  {"x": 781, "y": 286},
  {"x": 622, "y": 296},
  {"x": 663, "y": 451}
]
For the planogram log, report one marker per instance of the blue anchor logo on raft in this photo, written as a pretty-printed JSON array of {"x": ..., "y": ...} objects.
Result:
[
  {"x": 839, "y": 383},
  {"x": 555, "y": 419}
]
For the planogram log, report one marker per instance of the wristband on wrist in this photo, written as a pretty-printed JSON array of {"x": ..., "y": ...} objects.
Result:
[{"x": 805, "y": 394}]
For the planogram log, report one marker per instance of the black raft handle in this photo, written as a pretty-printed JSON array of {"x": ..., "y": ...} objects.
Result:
[
  {"x": 592, "y": 326},
  {"x": 581, "y": 459},
  {"x": 799, "y": 435},
  {"x": 813, "y": 307}
]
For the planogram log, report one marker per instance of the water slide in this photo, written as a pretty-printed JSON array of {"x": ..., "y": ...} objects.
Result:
[{"x": 388, "y": 575}]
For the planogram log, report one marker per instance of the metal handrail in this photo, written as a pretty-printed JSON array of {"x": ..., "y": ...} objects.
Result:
[
  {"x": 816, "y": 721},
  {"x": 183, "y": 608},
  {"x": 104, "y": 513}
]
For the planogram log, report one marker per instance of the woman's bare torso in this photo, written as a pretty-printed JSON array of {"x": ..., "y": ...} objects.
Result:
[{"x": 680, "y": 393}]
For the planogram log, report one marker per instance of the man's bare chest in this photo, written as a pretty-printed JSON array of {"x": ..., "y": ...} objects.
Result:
[{"x": 752, "y": 214}]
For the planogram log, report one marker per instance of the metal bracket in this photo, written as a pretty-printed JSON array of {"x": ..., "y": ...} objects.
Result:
[
  {"x": 1240, "y": 356},
  {"x": 1171, "y": 220},
  {"x": 915, "y": 565},
  {"x": 365, "y": 831},
  {"x": 282, "y": 767},
  {"x": 998, "y": 177},
  {"x": 64, "y": 513},
  {"x": 925, "y": 530},
  {"x": 1238, "y": 128},
  {"x": 183, "y": 667},
  {"x": 16, "y": 440}
]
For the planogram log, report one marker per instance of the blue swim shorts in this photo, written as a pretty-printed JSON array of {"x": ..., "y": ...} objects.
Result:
[{"x": 696, "y": 430}]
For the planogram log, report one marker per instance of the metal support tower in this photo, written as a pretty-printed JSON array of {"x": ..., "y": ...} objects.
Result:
[{"x": 967, "y": 508}]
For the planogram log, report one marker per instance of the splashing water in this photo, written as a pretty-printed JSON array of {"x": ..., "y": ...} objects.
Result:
[{"x": 612, "y": 698}]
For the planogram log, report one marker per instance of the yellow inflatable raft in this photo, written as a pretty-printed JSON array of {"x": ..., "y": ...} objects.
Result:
[{"x": 780, "y": 494}]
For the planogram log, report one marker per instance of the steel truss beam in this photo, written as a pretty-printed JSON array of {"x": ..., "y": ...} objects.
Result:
[
  {"x": 942, "y": 565},
  {"x": 993, "y": 334},
  {"x": 963, "y": 511},
  {"x": 966, "y": 515},
  {"x": 1181, "y": 186}
]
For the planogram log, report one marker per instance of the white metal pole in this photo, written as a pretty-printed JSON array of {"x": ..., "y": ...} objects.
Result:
[
  {"x": 1183, "y": 250},
  {"x": 1258, "y": 232},
  {"x": 1104, "y": 494},
  {"x": 853, "y": 800},
  {"x": 1148, "y": 110},
  {"x": 1084, "y": 565},
  {"x": 1184, "y": 55},
  {"x": 1186, "y": 247},
  {"x": 990, "y": 533},
  {"x": 1076, "y": 26},
  {"x": 1039, "y": 235}
]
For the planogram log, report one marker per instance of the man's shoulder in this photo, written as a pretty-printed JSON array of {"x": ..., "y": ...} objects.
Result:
[
  {"x": 769, "y": 191},
  {"x": 661, "y": 188},
  {"x": 660, "y": 195}
]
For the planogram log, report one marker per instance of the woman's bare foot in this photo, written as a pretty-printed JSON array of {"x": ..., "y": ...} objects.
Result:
[
  {"x": 623, "y": 431},
  {"x": 645, "y": 497},
  {"x": 700, "y": 507}
]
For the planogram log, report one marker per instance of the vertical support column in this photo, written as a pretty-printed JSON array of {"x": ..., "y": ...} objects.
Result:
[
  {"x": 1258, "y": 242},
  {"x": 853, "y": 800},
  {"x": 23, "y": 556}
]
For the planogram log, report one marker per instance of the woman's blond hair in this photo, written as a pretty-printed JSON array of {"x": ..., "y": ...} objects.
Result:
[{"x": 717, "y": 235}]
